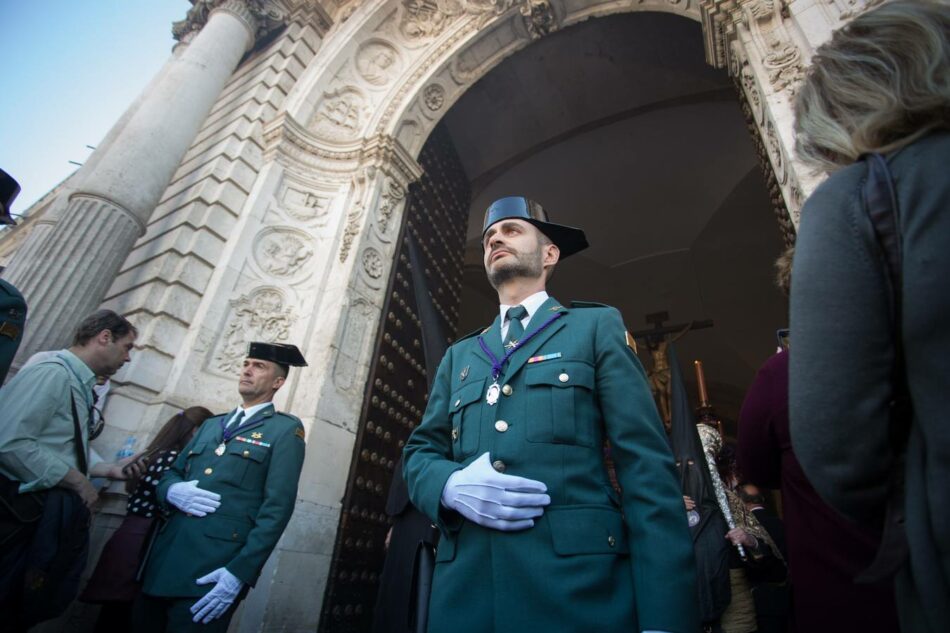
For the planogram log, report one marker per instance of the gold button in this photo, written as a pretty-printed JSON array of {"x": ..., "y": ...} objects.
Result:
[
  {"x": 208, "y": 471},
  {"x": 499, "y": 465},
  {"x": 507, "y": 390},
  {"x": 501, "y": 426},
  {"x": 611, "y": 541},
  {"x": 455, "y": 434},
  {"x": 247, "y": 453},
  {"x": 563, "y": 377}
]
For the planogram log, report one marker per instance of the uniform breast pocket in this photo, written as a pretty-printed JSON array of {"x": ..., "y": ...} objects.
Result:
[
  {"x": 465, "y": 414},
  {"x": 560, "y": 403},
  {"x": 246, "y": 464},
  {"x": 193, "y": 456}
]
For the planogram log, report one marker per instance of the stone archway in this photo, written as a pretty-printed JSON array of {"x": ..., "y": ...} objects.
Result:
[{"x": 347, "y": 139}]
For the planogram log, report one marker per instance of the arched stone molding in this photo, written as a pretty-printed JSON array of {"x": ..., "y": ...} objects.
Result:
[{"x": 444, "y": 47}]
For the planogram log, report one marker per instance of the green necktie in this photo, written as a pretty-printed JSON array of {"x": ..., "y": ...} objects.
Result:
[{"x": 515, "y": 329}]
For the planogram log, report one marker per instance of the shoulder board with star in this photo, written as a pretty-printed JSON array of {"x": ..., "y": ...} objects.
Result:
[{"x": 480, "y": 330}]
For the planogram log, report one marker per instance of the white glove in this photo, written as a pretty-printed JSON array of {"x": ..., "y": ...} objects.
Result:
[
  {"x": 216, "y": 601},
  {"x": 494, "y": 500},
  {"x": 190, "y": 499}
]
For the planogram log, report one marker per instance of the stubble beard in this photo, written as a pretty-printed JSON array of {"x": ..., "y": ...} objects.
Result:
[{"x": 526, "y": 265}]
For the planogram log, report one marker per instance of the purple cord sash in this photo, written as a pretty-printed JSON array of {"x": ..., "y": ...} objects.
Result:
[{"x": 498, "y": 363}]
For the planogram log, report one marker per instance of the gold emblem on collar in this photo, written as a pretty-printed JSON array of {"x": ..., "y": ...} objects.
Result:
[
  {"x": 556, "y": 308},
  {"x": 257, "y": 435}
]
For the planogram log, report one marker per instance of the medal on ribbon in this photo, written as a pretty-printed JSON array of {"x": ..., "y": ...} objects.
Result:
[{"x": 494, "y": 389}]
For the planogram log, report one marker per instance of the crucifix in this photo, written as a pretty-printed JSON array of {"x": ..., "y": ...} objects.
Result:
[{"x": 658, "y": 339}]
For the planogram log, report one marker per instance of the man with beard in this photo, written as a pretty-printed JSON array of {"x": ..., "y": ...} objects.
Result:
[
  {"x": 227, "y": 499},
  {"x": 508, "y": 461}
]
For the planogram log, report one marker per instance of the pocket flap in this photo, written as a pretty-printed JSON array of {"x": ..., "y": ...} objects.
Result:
[
  {"x": 466, "y": 395},
  {"x": 227, "y": 528},
  {"x": 445, "y": 550},
  {"x": 561, "y": 374},
  {"x": 587, "y": 530},
  {"x": 247, "y": 451}
]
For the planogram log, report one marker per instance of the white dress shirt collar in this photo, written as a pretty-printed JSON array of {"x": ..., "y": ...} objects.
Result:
[
  {"x": 249, "y": 412},
  {"x": 531, "y": 304}
]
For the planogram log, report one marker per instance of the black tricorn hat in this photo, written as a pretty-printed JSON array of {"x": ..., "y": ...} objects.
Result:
[
  {"x": 9, "y": 190},
  {"x": 567, "y": 238},
  {"x": 279, "y": 353}
]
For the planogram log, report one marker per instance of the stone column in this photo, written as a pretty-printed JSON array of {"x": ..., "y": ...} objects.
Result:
[{"x": 66, "y": 276}]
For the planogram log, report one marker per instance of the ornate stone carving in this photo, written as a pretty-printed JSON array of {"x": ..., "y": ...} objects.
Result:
[
  {"x": 340, "y": 115},
  {"x": 282, "y": 252},
  {"x": 775, "y": 153},
  {"x": 427, "y": 18},
  {"x": 751, "y": 88},
  {"x": 305, "y": 206},
  {"x": 377, "y": 62},
  {"x": 433, "y": 96},
  {"x": 853, "y": 8},
  {"x": 261, "y": 315},
  {"x": 781, "y": 58},
  {"x": 351, "y": 230},
  {"x": 393, "y": 195},
  {"x": 372, "y": 263},
  {"x": 539, "y": 18},
  {"x": 260, "y": 16}
]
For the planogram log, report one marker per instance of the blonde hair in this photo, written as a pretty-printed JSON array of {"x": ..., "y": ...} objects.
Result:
[{"x": 880, "y": 83}]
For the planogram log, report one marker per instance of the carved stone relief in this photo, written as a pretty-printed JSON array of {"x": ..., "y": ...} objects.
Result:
[
  {"x": 261, "y": 16},
  {"x": 394, "y": 194},
  {"x": 303, "y": 205},
  {"x": 352, "y": 229},
  {"x": 372, "y": 263},
  {"x": 775, "y": 153},
  {"x": 282, "y": 252},
  {"x": 427, "y": 18},
  {"x": 853, "y": 8},
  {"x": 262, "y": 315},
  {"x": 355, "y": 328},
  {"x": 340, "y": 115},
  {"x": 377, "y": 62},
  {"x": 780, "y": 56},
  {"x": 539, "y": 18},
  {"x": 434, "y": 96}
]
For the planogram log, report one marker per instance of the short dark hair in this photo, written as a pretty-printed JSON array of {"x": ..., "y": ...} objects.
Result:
[
  {"x": 101, "y": 320},
  {"x": 757, "y": 498}
]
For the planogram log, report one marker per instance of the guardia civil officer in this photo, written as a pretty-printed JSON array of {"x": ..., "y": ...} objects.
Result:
[
  {"x": 508, "y": 461},
  {"x": 228, "y": 497}
]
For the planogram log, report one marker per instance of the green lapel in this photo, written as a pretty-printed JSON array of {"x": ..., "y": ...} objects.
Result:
[
  {"x": 547, "y": 310},
  {"x": 257, "y": 419},
  {"x": 493, "y": 338}
]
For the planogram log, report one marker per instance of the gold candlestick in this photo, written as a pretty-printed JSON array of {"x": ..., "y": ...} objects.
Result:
[{"x": 701, "y": 381}]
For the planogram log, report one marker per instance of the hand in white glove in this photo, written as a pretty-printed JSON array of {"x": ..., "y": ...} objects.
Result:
[
  {"x": 492, "y": 499},
  {"x": 190, "y": 499},
  {"x": 221, "y": 596}
]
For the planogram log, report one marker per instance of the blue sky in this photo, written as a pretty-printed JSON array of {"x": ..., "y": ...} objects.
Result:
[{"x": 70, "y": 69}]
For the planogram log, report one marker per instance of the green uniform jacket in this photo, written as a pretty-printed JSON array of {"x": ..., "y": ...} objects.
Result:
[
  {"x": 258, "y": 488},
  {"x": 593, "y": 561}
]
